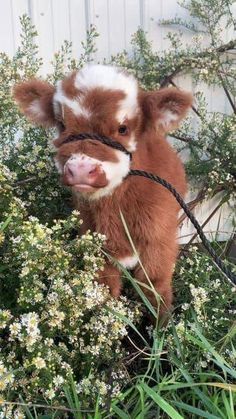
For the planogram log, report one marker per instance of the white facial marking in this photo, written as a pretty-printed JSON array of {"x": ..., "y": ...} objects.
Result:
[
  {"x": 76, "y": 105},
  {"x": 113, "y": 78},
  {"x": 115, "y": 172},
  {"x": 129, "y": 262},
  {"x": 35, "y": 109},
  {"x": 132, "y": 144}
]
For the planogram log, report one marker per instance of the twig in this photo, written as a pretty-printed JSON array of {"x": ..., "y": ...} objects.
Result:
[
  {"x": 27, "y": 180},
  {"x": 193, "y": 107},
  {"x": 192, "y": 204},
  {"x": 184, "y": 139},
  {"x": 227, "y": 93},
  {"x": 204, "y": 224},
  {"x": 223, "y": 48},
  {"x": 45, "y": 406},
  {"x": 199, "y": 198},
  {"x": 206, "y": 232}
]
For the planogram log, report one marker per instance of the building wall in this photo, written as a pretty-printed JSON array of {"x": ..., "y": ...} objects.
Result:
[{"x": 116, "y": 21}]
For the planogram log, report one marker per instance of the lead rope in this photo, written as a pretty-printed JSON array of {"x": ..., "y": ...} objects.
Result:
[
  {"x": 115, "y": 144},
  {"x": 224, "y": 269}
]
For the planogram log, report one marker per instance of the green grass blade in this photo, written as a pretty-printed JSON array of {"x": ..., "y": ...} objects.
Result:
[
  {"x": 26, "y": 409},
  {"x": 127, "y": 321},
  {"x": 204, "y": 399},
  {"x": 120, "y": 413},
  {"x": 166, "y": 407},
  {"x": 205, "y": 344},
  {"x": 5, "y": 224},
  {"x": 191, "y": 409},
  {"x": 77, "y": 404}
]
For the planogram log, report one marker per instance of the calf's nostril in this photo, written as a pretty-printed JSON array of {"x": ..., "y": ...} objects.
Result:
[
  {"x": 70, "y": 172},
  {"x": 93, "y": 171}
]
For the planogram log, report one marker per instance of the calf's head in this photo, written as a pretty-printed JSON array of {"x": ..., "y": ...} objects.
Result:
[{"x": 107, "y": 101}]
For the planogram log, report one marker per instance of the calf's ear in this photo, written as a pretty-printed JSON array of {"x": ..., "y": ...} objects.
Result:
[
  {"x": 35, "y": 100},
  {"x": 165, "y": 108}
]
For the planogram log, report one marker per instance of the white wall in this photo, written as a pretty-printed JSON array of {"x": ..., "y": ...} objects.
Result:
[{"x": 116, "y": 21}]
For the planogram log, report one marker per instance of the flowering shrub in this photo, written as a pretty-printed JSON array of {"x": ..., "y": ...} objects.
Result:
[
  {"x": 205, "y": 297},
  {"x": 54, "y": 320}
]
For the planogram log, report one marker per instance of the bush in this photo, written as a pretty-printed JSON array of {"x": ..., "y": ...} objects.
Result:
[{"x": 54, "y": 320}]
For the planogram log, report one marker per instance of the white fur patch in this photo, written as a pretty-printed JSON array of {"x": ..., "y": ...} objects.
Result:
[
  {"x": 76, "y": 105},
  {"x": 115, "y": 173},
  {"x": 132, "y": 144},
  {"x": 108, "y": 77},
  {"x": 129, "y": 262}
]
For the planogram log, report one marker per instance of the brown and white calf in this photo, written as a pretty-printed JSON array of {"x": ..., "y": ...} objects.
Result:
[{"x": 106, "y": 100}]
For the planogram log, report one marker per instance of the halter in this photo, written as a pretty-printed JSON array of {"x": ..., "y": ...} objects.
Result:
[
  {"x": 102, "y": 138},
  {"x": 116, "y": 145}
]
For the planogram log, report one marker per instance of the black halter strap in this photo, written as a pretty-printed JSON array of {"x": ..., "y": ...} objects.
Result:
[{"x": 102, "y": 138}]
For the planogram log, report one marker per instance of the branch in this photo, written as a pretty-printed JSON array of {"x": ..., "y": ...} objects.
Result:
[
  {"x": 227, "y": 93},
  {"x": 227, "y": 47},
  {"x": 188, "y": 61},
  {"x": 193, "y": 107},
  {"x": 192, "y": 204},
  {"x": 204, "y": 224},
  {"x": 167, "y": 80},
  {"x": 184, "y": 139},
  {"x": 27, "y": 180},
  {"x": 199, "y": 198},
  {"x": 45, "y": 406}
]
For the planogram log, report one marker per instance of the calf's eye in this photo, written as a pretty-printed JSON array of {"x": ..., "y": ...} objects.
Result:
[{"x": 123, "y": 130}]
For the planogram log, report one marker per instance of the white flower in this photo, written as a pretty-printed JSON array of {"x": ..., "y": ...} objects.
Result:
[
  {"x": 39, "y": 362},
  {"x": 30, "y": 319},
  {"x": 15, "y": 329},
  {"x": 50, "y": 394},
  {"x": 3, "y": 370},
  {"x": 203, "y": 364},
  {"x": 18, "y": 414},
  {"x": 58, "y": 381}
]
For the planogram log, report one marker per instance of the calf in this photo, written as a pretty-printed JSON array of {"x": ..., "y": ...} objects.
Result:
[{"x": 107, "y": 101}]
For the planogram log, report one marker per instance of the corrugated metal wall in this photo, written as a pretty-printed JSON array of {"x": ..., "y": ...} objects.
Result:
[
  {"x": 116, "y": 21},
  {"x": 56, "y": 20}
]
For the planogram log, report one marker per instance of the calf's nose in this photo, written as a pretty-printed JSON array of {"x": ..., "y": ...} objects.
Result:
[{"x": 83, "y": 172}]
